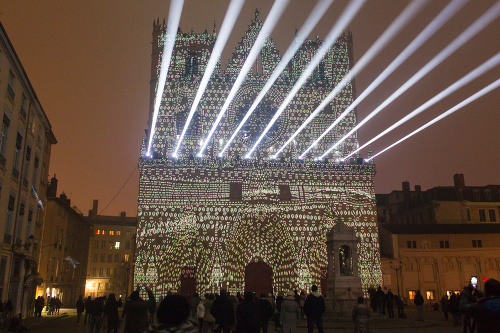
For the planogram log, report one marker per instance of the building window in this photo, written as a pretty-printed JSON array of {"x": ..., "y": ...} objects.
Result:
[
  {"x": 3, "y": 136},
  {"x": 96, "y": 244},
  {"x": 430, "y": 294},
  {"x": 27, "y": 165},
  {"x": 476, "y": 195},
  {"x": 17, "y": 152},
  {"x": 469, "y": 216},
  {"x": 96, "y": 257},
  {"x": 477, "y": 243},
  {"x": 111, "y": 233},
  {"x": 411, "y": 244},
  {"x": 127, "y": 245},
  {"x": 126, "y": 257},
  {"x": 8, "y": 222},
  {"x": 117, "y": 245},
  {"x": 108, "y": 271},
  {"x": 115, "y": 271},
  {"x": 412, "y": 294},
  {"x": 492, "y": 214},
  {"x": 94, "y": 272},
  {"x": 117, "y": 257},
  {"x": 482, "y": 215},
  {"x": 103, "y": 244},
  {"x": 110, "y": 258},
  {"x": 128, "y": 233},
  {"x": 487, "y": 195},
  {"x": 98, "y": 232},
  {"x": 101, "y": 272},
  {"x": 118, "y": 232},
  {"x": 103, "y": 257},
  {"x": 104, "y": 232},
  {"x": 444, "y": 244}
]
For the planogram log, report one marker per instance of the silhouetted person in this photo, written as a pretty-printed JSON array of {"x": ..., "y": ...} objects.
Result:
[
  {"x": 136, "y": 311},
  {"x": 111, "y": 312},
  {"x": 314, "y": 307},
  {"x": 87, "y": 303},
  {"x": 222, "y": 310},
  {"x": 380, "y": 301},
  {"x": 360, "y": 316},
  {"x": 172, "y": 315},
  {"x": 444, "y": 306},
  {"x": 80, "y": 307},
  {"x": 266, "y": 311},
  {"x": 419, "y": 302},
  {"x": 389, "y": 301},
  {"x": 96, "y": 310},
  {"x": 486, "y": 310},
  {"x": 247, "y": 315}
]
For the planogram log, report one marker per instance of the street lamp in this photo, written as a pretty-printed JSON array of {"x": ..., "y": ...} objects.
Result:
[
  {"x": 397, "y": 267},
  {"x": 127, "y": 269}
]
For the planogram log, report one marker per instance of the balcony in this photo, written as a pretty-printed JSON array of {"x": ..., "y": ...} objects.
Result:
[
  {"x": 15, "y": 173},
  {"x": 10, "y": 93}
]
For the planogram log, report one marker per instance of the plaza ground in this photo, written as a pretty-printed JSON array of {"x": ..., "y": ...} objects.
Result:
[{"x": 434, "y": 322}]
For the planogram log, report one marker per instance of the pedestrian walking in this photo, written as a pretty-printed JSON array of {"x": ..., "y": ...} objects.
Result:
[
  {"x": 222, "y": 310},
  {"x": 57, "y": 305},
  {"x": 360, "y": 316},
  {"x": 289, "y": 311},
  {"x": 172, "y": 315},
  {"x": 136, "y": 311},
  {"x": 80, "y": 307},
  {"x": 419, "y": 302},
  {"x": 380, "y": 301},
  {"x": 454, "y": 305},
  {"x": 314, "y": 307}
]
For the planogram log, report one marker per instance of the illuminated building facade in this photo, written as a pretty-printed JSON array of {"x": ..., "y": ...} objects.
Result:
[
  {"x": 26, "y": 140},
  {"x": 65, "y": 241},
  {"x": 435, "y": 240},
  {"x": 256, "y": 224},
  {"x": 110, "y": 254}
]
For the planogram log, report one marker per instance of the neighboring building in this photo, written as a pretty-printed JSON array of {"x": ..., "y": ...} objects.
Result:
[
  {"x": 64, "y": 249},
  {"x": 249, "y": 224},
  {"x": 110, "y": 254},
  {"x": 436, "y": 240},
  {"x": 26, "y": 139}
]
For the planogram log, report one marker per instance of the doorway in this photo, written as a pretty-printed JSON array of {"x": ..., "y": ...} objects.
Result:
[{"x": 258, "y": 278}]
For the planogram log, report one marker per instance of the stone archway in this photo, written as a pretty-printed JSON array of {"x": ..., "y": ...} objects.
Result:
[{"x": 258, "y": 278}]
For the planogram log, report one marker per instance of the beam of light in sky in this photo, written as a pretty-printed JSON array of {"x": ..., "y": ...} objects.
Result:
[
  {"x": 492, "y": 62},
  {"x": 314, "y": 17},
  {"x": 443, "y": 17},
  {"x": 268, "y": 26},
  {"x": 401, "y": 21},
  {"x": 337, "y": 29},
  {"x": 232, "y": 14},
  {"x": 464, "y": 37},
  {"x": 174, "y": 16},
  {"x": 472, "y": 98}
]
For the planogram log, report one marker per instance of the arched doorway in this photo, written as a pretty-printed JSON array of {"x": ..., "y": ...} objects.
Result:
[
  {"x": 258, "y": 278},
  {"x": 188, "y": 281}
]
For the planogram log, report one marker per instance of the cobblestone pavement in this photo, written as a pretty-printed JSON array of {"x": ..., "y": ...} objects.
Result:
[{"x": 434, "y": 322}]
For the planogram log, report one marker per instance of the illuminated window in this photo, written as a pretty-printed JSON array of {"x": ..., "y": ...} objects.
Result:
[
  {"x": 117, "y": 245},
  {"x": 118, "y": 232},
  {"x": 104, "y": 232},
  {"x": 430, "y": 294},
  {"x": 411, "y": 294},
  {"x": 111, "y": 233},
  {"x": 98, "y": 232},
  {"x": 126, "y": 257}
]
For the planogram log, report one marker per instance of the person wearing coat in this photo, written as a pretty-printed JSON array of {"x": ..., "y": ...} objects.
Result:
[
  {"x": 289, "y": 312},
  {"x": 486, "y": 310},
  {"x": 111, "y": 312},
  {"x": 137, "y": 310},
  {"x": 172, "y": 315},
  {"x": 360, "y": 316},
  {"x": 223, "y": 312},
  {"x": 247, "y": 315},
  {"x": 208, "y": 319},
  {"x": 80, "y": 307}
]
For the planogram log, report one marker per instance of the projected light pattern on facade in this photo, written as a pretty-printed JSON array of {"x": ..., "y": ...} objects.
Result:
[{"x": 207, "y": 219}]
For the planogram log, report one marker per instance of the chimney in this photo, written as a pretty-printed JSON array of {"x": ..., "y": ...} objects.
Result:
[
  {"x": 406, "y": 186},
  {"x": 52, "y": 188},
  {"x": 459, "y": 180},
  {"x": 93, "y": 211},
  {"x": 418, "y": 188}
]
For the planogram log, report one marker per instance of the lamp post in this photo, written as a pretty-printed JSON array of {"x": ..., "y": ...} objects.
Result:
[
  {"x": 127, "y": 267},
  {"x": 398, "y": 265}
]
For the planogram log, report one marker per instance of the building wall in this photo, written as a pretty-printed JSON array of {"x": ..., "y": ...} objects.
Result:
[{"x": 25, "y": 144}]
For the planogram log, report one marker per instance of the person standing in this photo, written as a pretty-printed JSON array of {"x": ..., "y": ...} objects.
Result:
[
  {"x": 96, "y": 310},
  {"x": 486, "y": 310},
  {"x": 172, "y": 315},
  {"x": 136, "y": 311},
  {"x": 360, "y": 316},
  {"x": 87, "y": 303},
  {"x": 208, "y": 319},
  {"x": 200, "y": 311},
  {"x": 222, "y": 310},
  {"x": 111, "y": 312},
  {"x": 289, "y": 312},
  {"x": 266, "y": 311},
  {"x": 80, "y": 307},
  {"x": 419, "y": 302},
  {"x": 247, "y": 315},
  {"x": 444, "y": 306},
  {"x": 314, "y": 307},
  {"x": 389, "y": 300}
]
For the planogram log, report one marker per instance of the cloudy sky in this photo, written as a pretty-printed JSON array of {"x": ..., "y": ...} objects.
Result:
[{"x": 89, "y": 62}]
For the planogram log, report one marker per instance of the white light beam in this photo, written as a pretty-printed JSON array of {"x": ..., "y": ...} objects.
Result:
[
  {"x": 401, "y": 21},
  {"x": 472, "y": 98},
  {"x": 492, "y": 62},
  {"x": 318, "y": 11},
  {"x": 232, "y": 14},
  {"x": 271, "y": 20},
  {"x": 450, "y": 10},
  {"x": 343, "y": 21},
  {"x": 174, "y": 16},
  {"x": 470, "y": 32}
]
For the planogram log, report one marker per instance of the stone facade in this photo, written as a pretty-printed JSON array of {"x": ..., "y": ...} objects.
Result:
[{"x": 202, "y": 222}]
